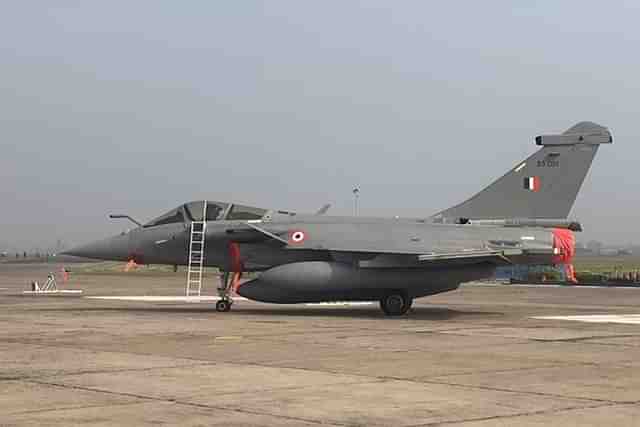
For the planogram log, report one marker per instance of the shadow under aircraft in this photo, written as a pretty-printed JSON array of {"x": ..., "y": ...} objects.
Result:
[{"x": 521, "y": 218}]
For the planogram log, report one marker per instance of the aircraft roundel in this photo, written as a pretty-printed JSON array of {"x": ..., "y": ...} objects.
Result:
[{"x": 297, "y": 236}]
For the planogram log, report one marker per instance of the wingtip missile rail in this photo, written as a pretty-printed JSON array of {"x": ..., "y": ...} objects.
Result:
[{"x": 529, "y": 222}]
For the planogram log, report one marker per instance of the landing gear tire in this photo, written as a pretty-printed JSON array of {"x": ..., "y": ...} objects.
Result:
[
  {"x": 223, "y": 305},
  {"x": 395, "y": 304}
]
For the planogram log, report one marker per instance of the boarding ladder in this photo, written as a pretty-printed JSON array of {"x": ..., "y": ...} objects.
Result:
[
  {"x": 196, "y": 254},
  {"x": 49, "y": 286}
]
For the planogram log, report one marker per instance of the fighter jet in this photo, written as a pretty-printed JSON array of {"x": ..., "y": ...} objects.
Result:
[{"x": 521, "y": 218}]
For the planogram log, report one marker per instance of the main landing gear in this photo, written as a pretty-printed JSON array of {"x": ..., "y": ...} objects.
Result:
[
  {"x": 224, "y": 291},
  {"x": 396, "y": 303}
]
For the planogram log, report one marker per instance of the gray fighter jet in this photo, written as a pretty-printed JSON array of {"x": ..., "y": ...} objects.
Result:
[{"x": 521, "y": 218}]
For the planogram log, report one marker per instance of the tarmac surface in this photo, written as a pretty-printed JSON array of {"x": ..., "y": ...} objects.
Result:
[{"x": 479, "y": 356}]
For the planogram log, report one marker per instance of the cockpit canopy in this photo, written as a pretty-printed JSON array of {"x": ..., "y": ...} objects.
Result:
[{"x": 215, "y": 211}]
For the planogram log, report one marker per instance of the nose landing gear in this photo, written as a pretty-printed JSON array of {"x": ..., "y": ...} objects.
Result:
[
  {"x": 224, "y": 305},
  {"x": 227, "y": 280},
  {"x": 396, "y": 303}
]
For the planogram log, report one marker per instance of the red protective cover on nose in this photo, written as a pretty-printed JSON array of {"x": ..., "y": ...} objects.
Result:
[
  {"x": 234, "y": 257},
  {"x": 236, "y": 265},
  {"x": 564, "y": 243}
]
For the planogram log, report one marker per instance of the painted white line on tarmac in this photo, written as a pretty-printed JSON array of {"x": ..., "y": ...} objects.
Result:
[
  {"x": 629, "y": 319},
  {"x": 162, "y": 298},
  {"x": 338, "y": 304},
  {"x": 578, "y": 287},
  {"x": 533, "y": 285},
  {"x": 56, "y": 291}
]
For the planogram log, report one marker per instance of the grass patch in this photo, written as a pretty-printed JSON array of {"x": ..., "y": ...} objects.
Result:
[{"x": 605, "y": 264}]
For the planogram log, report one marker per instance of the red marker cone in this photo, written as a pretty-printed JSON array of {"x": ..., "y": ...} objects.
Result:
[{"x": 65, "y": 274}]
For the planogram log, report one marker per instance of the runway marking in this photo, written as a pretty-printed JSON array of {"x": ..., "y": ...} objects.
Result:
[
  {"x": 163, "y": 298},
  {"x": 228, "y": 338},
  {"x": 525, "y": 285},
  {"x": 629, "y": 319},
  {"x": 56, "y": 291},
  {"x": 338, "y": 304}
]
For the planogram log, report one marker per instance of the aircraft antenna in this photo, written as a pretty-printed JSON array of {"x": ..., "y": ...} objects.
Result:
[{"x": 356, "y": 195}]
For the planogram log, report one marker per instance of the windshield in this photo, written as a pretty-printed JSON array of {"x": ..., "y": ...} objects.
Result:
[
  {"x": 215, "y": 210},
  {"x": 245, "y": 212},
  {"x": 171, "y": 217}
]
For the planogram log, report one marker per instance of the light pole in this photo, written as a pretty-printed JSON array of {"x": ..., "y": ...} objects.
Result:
[{"x": 356, "y": 194}]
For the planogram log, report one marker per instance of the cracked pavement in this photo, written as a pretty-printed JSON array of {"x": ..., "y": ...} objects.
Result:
[{"x": 472, "y": 357}]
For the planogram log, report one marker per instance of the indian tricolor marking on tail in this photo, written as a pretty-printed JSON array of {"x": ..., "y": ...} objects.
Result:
[{"x": 532, "y": 183}]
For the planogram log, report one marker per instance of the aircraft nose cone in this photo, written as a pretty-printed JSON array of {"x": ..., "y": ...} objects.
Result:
[{"x": 113, "y": 249}]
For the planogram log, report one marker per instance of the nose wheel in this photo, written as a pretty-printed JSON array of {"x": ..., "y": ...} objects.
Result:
[
  {"x": 223, "y": 305},
  {"x": 395, "y": 303},
  {"x": 224, "y": 291}
]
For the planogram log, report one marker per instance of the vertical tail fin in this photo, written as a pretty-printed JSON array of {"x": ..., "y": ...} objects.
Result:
[{"x": 545, "y": 185}]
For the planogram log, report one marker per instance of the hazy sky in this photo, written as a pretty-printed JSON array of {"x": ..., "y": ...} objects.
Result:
[{"x": 135, "y": 107}]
